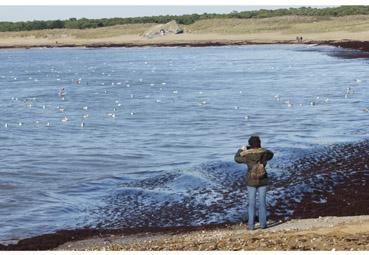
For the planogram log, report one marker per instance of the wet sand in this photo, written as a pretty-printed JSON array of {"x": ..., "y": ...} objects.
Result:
[{"x": 341, "y": 177}]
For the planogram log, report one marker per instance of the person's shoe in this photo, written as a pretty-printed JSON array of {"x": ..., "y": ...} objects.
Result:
[
  {"x": 263, "y": 227},
  {"x": 250, "y": 228}
]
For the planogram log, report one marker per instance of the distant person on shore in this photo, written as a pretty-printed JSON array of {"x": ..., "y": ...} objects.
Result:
[{"x": 256, "y": 159}]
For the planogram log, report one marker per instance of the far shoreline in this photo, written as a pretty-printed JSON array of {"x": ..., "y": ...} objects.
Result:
[{"x": 362, "y": 46}]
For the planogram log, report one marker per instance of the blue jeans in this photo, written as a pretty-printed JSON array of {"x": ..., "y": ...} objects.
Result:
[{"x": 251, "y": 191}]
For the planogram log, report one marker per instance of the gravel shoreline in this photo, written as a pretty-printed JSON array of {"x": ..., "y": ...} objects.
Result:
[{"x": 325, "y": 233}]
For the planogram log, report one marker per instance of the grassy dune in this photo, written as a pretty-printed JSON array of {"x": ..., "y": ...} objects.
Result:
[
  {"x": 285, "y": 24},
  {"x": 283, "y": 28}
]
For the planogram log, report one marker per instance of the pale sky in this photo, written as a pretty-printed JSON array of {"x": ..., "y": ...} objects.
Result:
[{"x": 26, "y": 13}]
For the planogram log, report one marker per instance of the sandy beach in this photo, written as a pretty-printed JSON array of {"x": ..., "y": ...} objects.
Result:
[
  {"x": 325, "y": 233},
  {"x": 193, "y": 40}
]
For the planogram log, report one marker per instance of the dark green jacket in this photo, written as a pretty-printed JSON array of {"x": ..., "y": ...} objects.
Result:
[{"x": 250, "y": 157}]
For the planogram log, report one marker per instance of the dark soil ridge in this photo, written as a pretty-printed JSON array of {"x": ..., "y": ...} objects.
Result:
[
  {"x": 53, "y": 240},
  {"x": 346, "y": 44},
  {"x": 146, "y": 44}
]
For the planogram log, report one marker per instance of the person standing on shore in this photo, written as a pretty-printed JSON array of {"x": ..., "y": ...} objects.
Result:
[{"x": 255, "y": 157}]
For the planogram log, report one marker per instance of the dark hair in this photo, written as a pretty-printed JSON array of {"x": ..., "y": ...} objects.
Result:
[{"x": 254, "y": 142}]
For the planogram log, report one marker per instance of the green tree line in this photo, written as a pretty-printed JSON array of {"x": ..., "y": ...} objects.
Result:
[{"x": 84, "y": 23}]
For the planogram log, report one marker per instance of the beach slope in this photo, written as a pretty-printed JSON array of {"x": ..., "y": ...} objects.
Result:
[{"x": 324, "y": 233}]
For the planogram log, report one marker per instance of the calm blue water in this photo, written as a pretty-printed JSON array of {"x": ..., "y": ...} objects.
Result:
[{"x": 160, "y": 126}]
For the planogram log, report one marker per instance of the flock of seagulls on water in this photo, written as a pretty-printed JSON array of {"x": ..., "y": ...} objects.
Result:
[
  {"x": 62, "y": 94},
  {"x": 349, "y": 92},
  {"x": 30, "y": 102}
]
